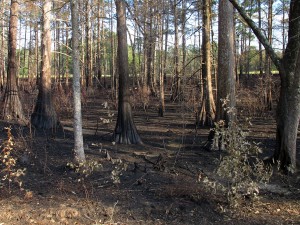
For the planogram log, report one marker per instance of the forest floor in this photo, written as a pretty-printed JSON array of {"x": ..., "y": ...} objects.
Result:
[{"x": 159, "y": 182}]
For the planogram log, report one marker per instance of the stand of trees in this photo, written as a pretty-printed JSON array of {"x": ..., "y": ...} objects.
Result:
[{"x": 172, "y": 44}]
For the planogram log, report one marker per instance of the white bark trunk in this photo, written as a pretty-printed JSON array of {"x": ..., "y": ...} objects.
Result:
[{"x": 77, "y": 124}]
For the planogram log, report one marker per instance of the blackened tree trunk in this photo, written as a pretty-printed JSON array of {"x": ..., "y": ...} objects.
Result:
[
  {"x": 44, "y": 115},
  {"x": 125, "y": 131},
  {"x": 288, "y": 109},
  {"x": 77, "y": 124},
  {"x": 12, "y": 107}
]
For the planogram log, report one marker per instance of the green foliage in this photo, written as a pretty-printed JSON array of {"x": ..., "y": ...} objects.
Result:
[{"x": 9, "y": 173}]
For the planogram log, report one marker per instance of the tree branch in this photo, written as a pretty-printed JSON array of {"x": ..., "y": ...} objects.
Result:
[{"x": 260, "y": 36}]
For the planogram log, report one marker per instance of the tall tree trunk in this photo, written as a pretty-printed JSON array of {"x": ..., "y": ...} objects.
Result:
[
  {"x": 2, "y": 60},
  {"x": 125, "y": 131},
  {"x": 283, "y": 24},
  {"x": 226, "y": 63},
  {"x": 58, "y": 54},
  {"x": 29, "y": 54},
  {"x": 37, "y": 60},
  {"x": 207, "y": 111},
  {"x": 183, "y": 44},
  {"x": 259, "y": 44},
  {"x": 112, "y": 56},
  {"x": 24, "y": 53},
  {"x": 99, "y": 61},
  {"x": 150, "y": 45},
  {"x": 88, "y": 72},
  {"x": 226, "y": 112},
  {"x": 200, "y": 54},
  {"x": 166, "y": 48},
  {"x": 19, "y": 55},
  {"x": 162, "y": 65},
  {"x": 67, "y": 60},
  {"x": 176, "y": 87},
  {"x": 44, "y": 115},
  {"x": 268, "y": 76},
  {"x": 12, "y": 107},
  {"x": 103, "y": 66},
  {"x": 77, "y": 124}
]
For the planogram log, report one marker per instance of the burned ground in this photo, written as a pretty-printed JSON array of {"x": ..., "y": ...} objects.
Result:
[{"x": 159, "y": 182}]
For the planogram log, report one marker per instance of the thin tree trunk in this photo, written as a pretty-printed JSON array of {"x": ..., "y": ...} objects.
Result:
[
  {"x": 88, "y": 73},
  {"x": 183, "y": 44},
  {"x": 268, "y": 77},
  {"x": 67, "y": 61},
  {"x": 19, "y": 56},
  {"x": 162, "y": 65},
  {"x": 112, "y": 58},
  {"x": 2, "y": 64},
  {"x": 283, "y": 26},
  {"x": 166, "y": 48},
  {"x": 77, "y": 124},
  {"x": 24, "y": 53},
  {"x": 37, "y": 61},
  {"x": 176, "y": 87},
  {"x": 200, "y": 80},
  {"x": 29, "y": 55},
  {"x": 259, "y": 44},
  {"x": 58, "y": 54},
  {"x": 99, "y": 68}
]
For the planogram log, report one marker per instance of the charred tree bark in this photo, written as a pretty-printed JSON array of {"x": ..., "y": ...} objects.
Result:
[
  {"x": 125, "y": 131},
  {"x": 12, "y": 107},
  {"x": 44, "y": 115}
]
